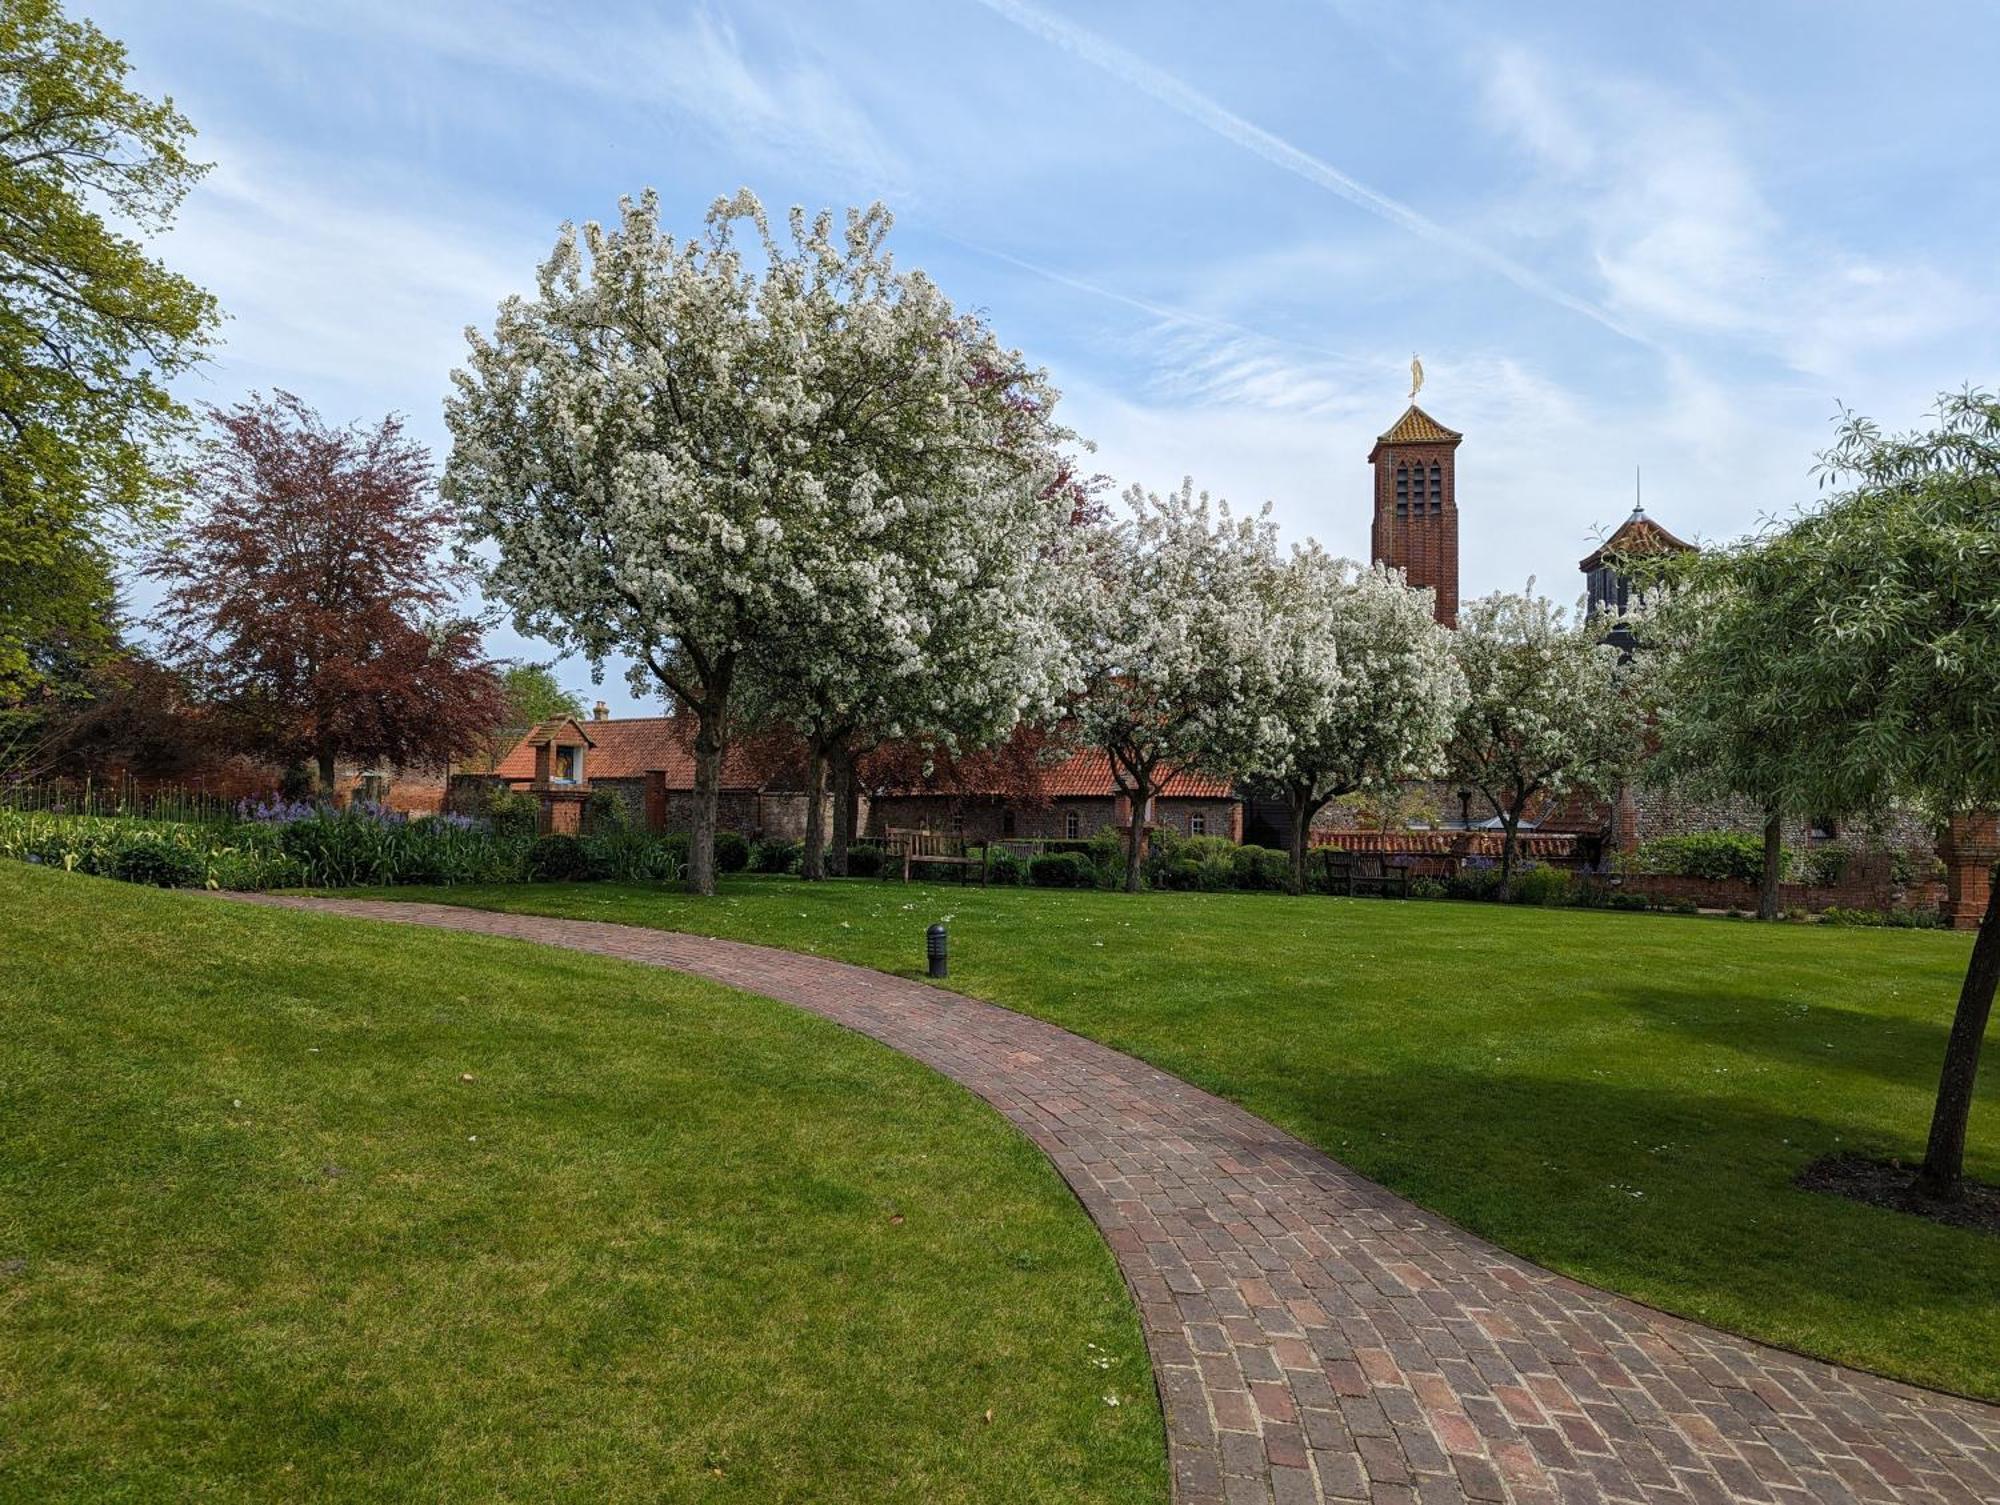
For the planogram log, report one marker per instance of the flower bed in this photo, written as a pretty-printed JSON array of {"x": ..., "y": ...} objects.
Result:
[{"x": 281, "y": 844}]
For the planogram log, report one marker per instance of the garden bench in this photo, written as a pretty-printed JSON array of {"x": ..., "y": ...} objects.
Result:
[
  {"x": 943, "y": 848},
  {"x": 1354, "y": 875}
]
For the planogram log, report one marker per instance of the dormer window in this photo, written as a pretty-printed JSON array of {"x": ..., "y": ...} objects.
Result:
[{"x": 568, "y": 766}]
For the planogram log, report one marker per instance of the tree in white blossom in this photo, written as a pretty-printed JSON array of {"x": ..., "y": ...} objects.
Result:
[
  {"x": 686, "y": 450},
  {"x": 974, "y": 576},
  {"x": 1169, "y": 621},
  {"x": 1361, "y": 689},
  {"x": 1549, "y": 709}
]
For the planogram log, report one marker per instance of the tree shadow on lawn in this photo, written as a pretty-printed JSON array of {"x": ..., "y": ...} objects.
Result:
[
  {"x": 1683, "y": 1201},
  {"x": 1810, "y": 1033}
]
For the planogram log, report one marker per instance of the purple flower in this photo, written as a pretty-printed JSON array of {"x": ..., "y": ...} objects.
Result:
[{"x": 279, "y": 811}]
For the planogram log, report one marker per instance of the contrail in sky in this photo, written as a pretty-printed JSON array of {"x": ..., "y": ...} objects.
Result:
[
  {"x": 1161, "y": 311},
  {"x": 1198, "y": 107}
]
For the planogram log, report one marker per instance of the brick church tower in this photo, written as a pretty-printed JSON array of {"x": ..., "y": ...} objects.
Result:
[{"x": 1416, "y": 505}]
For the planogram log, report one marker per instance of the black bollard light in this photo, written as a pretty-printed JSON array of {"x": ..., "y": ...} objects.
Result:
[{"x": 934, "y": 950}]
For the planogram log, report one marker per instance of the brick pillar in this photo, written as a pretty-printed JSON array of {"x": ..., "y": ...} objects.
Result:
[
  {"x": 1624, "y": 819},
  {"x": 1970, "y": 847}
]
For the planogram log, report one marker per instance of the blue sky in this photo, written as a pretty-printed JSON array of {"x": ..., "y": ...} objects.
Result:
[{"x": 1669, "y": 236}]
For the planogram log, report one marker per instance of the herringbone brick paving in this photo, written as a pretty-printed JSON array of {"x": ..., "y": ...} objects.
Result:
[{"x": 1315, "y": 1337}]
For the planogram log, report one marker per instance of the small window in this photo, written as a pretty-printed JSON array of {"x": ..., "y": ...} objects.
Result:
[
  {"x": 1403, "y": 490},
  {"x": 569, "y": 765},
  {"x": 1437, "y": 489},
  {"x": 1824, "y": 828},
  {"x": 1197, "y": 825},
  {"x": 1072, "y": 824},
  {"x": 958, "y": 822},
  {"x": 1006, "y": 822}
]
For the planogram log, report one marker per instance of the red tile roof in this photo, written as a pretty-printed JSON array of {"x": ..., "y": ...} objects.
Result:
[
  {"x": 635, "y": 746},
  {"x": 1087, "y": 773},
  {"x": 1083, "y": 774}
]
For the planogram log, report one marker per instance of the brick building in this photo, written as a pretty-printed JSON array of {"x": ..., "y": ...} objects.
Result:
[
  {"x": 647, "y": 762},
  {"x": 1075, "y": 796}
]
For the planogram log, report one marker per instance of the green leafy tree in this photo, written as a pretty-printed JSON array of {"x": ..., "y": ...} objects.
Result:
[
  {"x": 535, "y": 695},
  {"x": 1728, "y": 722},
  {"x": 92, "y": 329},
  {"x": 1886, "y": 611}
]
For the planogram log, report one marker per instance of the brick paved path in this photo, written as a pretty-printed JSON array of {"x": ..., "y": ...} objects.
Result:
[{"x": 1315, "y": 1337}]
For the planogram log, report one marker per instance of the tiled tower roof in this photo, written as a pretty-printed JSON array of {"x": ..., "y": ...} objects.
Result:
[
  {"x": 1418, "y": 427},
  {"x": 1638, "y": 534}
]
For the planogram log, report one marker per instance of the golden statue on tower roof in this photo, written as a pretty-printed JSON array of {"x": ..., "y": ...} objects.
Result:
[{"x": 1416, "y": 377}]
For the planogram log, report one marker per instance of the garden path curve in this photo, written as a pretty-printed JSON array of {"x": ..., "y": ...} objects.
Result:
[{"x": 1316, "y": 1337}]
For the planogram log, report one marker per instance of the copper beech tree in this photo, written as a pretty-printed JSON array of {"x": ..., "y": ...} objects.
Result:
[{"x": 309, "y": 601}]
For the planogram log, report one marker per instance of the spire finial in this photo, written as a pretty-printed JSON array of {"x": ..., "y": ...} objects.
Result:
[{"x": 1638, "y": 493}]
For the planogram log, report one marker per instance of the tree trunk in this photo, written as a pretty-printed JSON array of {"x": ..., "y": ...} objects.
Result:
[
  {"x": 326, "y": 774},
  {"x": 1135, "y": 844},
  {"x": 1302, "y": 819},
  {"x": 1774, "y": 862},
  {"x": 707, "y": 780},
  {"x": 841, "y": 761},
  {"x": 1510, "y": 826},
  {"x": 1944, "y": 1158},
  {"x": 812, "y": 866}
]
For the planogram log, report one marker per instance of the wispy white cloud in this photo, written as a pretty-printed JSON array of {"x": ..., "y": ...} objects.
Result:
[
  {"x": 782, "y": 107},
  {"x": 1207, "y": 112},
  {"x": 328, "y": 284},
  {"x": 1683, "y": 234},
  {"x": 1169, "y": 315}
]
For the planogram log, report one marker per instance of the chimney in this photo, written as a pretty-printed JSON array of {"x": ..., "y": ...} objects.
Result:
[{"x": 600, "y": 712}]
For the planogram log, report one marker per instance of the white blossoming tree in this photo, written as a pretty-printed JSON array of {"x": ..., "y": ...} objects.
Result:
[
  {"x": 1361, "y": 689},
  {"x": 1169, "y": 618},
  {"x": 1548, "y": 709},
  {"x": 692, "y": 452},
  {"x": 941, "y": 629}
]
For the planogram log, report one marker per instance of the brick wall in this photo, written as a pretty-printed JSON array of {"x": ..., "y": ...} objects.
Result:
[
  {"x": 734, "y": 811},
  {"x": 782, "y": 817},
  {"x": 1675, "y": 812},
  {"x": 1864, "y": 885},
  {"x": 1218, "y": 817},
  {"x": 631, "y": 793}
]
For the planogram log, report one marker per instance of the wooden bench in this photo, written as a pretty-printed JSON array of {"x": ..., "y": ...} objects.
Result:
[
  {"x": 938, "y": 848},
  {"x": 1350, "y": 873}
]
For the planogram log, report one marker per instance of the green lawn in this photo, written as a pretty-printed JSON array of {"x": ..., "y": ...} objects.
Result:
[
  {"x": 258, "y": 1240},
  {"x": 1625, "y": 1097}
]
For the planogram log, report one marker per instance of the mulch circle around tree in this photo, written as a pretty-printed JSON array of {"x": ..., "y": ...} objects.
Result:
[{"x": 1886, "y": 1183}]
